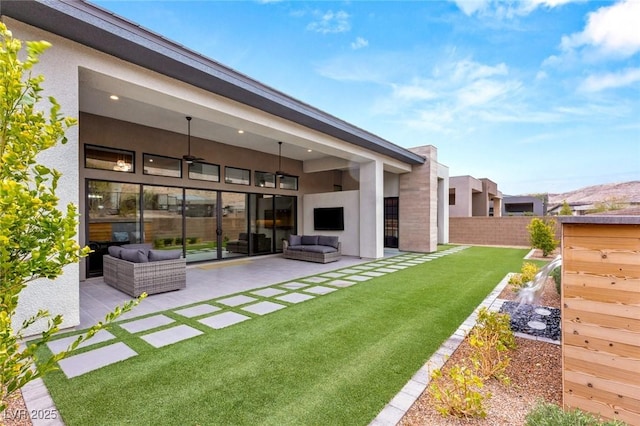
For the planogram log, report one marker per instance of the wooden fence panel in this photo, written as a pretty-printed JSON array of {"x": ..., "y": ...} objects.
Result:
[{"x": 601, "y": 319}]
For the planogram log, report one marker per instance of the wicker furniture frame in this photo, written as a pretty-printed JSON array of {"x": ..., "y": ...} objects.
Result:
[
  {"x": 311, "y": 256},
  {"x": 152, "y": 277}
]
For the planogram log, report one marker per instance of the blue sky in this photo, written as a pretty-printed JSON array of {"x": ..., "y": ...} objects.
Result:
[{"x": 537, "y": 95}]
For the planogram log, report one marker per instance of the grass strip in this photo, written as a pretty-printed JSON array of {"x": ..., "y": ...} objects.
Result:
[{"x": 336, "y": 359}]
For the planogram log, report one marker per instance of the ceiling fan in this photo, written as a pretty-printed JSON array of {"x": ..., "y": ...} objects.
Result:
[
  {"x": 279, "y": 172},
  {"x": 190, "y": 159}
]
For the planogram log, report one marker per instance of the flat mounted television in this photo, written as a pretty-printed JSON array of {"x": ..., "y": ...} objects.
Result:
[{"x": 328, "y": 219}]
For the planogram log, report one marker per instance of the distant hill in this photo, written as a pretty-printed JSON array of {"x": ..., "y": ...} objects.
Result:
[{"x": 625, "y": 192}]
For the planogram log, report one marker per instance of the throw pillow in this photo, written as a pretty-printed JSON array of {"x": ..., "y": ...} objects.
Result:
[
  {"x": 114, "y": 251},
  {"x": 295, "y": 240},
  {"x": 121, "y": 236},
  {"x": 133, "y": 255},
  {"x": 158, "y": 255},
  {"x": 328, "y": 241},
  {"x": 309, "y": 240}
]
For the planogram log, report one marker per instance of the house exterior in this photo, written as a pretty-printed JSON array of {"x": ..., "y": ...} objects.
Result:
[
  {"x": 470, "y": 197},
  {"x": 265, "y": 164},
  {"x": 525, "y": 205}
]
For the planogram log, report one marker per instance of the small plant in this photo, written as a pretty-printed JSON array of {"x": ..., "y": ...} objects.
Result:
[
  {"x": 459, "y": 394},
  {"x": 158, "y": 243},
  {"x": 492, "y": 338},
  {"x": 542, "y": 235},
  {"x": 168, "y": 241},
  {"x": 557, "y": 277},
  {"x": 527, "y": 273},
  {"x": 547, "y": 414},
  {"x": 566, "y": 209}
]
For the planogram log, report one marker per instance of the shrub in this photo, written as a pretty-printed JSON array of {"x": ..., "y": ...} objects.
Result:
[
  {"x": 37, "y": 240},
  {"x": 158, "y": 243},
  {"x": 458, "y": 394},
  {"x": 168, "y": 241},
  {"x": 527, "y": 273},
  {"x": 557, "y": 277},
  {"x": 492, "y": 338},
  {"x": 547, "y": 414},
  {"x": 542, "y": 235}
]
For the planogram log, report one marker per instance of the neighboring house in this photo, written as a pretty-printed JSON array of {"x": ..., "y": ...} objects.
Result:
[
  {"x": 524, "y": 205},
  {"x": 265, "y": 163},
  {"x": 577, "y": 209},
  {"x": 469, "y": 197}
]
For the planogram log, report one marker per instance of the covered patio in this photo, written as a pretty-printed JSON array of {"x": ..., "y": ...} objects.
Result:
[{"x": 207, "y": 281}]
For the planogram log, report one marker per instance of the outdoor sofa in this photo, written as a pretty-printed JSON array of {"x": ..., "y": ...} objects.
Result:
[
  {"x": 312, "y": 248},
  {"x": 136, "y": 268}
]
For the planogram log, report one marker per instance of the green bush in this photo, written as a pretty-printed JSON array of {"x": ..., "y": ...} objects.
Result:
[
  {"x": 158, "y": 243},
  {"x": 458, "y": 394},
  {"x": 547, "y": 414},
  {"x": 168, "y": 241},
  {"x": 527, "y": 273},
  {"x": 542, "y": 235},
  {"x": 492, "y": 338},
  {"x": 557, "y": 277}
]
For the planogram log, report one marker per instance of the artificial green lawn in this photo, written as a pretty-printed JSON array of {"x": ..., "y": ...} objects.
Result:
[{"x": 336, "y": 359}]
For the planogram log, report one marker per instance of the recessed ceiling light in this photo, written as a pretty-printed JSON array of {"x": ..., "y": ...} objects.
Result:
[
  {"x": 114, "y": 97},
  {"x": 309, "y": 150},
  {"x": 240, "y": 131}
]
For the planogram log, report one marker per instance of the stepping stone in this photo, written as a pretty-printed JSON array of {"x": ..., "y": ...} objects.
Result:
[
  {"x": 341, "y": 283},
  {"x": 333, "y": 275},
  {"x": 373, "y": 274},
  {"x": 350, "y": 271},
  {"x": 145, "y": 324},
  {"x": 170, "y": 335},
  {"x": 78, "y": 365},
  {"x": 363, "y": 268},
  {"x": 57, "y": 346},
  {"x": 315, "y": 280},
  {"x": 378, "y": 264},
  {"x": 196, "y": 311},
  {"x": 294, "y": 285},
  {"x": 396, "y": 267},
  {"x": 236, "y": 300},
  {"x": 386, "y": 270},
  {"x": 268, "y": 292},
  {"x": 358, "y": 278},
  {"x": 262, "y": 308},
  {"x": 223, "y": 320},
  {"x": 406, "y": 264},
  {"x": 319, "y": 290},
  {"x": 295, "y": 297}
]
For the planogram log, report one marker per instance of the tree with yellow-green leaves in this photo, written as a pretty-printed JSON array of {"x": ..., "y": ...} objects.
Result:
[{"x": 37, "y": 240}]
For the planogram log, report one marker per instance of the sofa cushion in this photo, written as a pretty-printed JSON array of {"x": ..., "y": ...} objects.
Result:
[
  {"x": 121, "y": 236},
  {"x": 133, "y": 255},
  {"x": 243, "y": 236},
  {"x": 319, "y": 249},
  {"x": 141, "y": 246},
  {"x": 295, "y": 240},
  {"x": 158, "y": 255},
  {"x": 114, "y": 251},
  {"x": 309, "y": 240},
  {"x": 296, "y": 248},
  {"x": 328, "y": 241}
]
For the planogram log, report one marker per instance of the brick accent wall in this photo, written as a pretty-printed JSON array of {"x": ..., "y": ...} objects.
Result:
[{"x": 492, "y": 231}]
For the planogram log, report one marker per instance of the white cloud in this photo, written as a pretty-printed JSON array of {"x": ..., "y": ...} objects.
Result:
[
  {"x": 506, "y": 8},
  {"x": 614, "y": 80},
  {"x": 611, "y": 30},
  {"x": 359, "y": 43},
  {"x": 330, "y": 22}
]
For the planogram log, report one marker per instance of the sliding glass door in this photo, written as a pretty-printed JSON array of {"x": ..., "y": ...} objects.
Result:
[
  {"x": 200, "y": 211},
  {"x": 233, "y": 225}
]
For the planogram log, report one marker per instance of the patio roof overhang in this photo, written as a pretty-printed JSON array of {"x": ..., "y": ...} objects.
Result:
[{"x": 100, "y": 29}]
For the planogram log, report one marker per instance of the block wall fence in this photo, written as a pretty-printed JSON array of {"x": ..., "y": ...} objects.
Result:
[
  {"x": 601, "y": 317},
  {"x": 492, "y": 231}
]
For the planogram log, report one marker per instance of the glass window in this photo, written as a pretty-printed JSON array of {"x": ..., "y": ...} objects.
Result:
[
  {"x": 237, "y": 176},
  {"x": 97, "y": 157},
  {"x": 204, "y": 171},
  {"x": 113, "y": 211},
  {"x": 163, "y": 217},
  {"x": 265, "y": 180},
  {"x": 289, "y": 182},
  {"x": 200, "y": 210},
  {"x": 162, "y": 166}
]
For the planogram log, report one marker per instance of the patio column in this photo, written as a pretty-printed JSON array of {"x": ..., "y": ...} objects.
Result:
[
  {"x": 371, "y": 210},
  {"x": 419, "y": 204}
]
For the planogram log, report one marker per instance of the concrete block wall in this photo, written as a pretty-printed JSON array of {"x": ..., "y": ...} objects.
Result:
[{"x": 493, "y": 231}]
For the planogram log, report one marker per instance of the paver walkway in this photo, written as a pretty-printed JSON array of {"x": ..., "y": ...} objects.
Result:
[{"x": 158, "y": 329}]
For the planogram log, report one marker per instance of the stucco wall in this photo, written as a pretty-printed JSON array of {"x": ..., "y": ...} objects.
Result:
[
  {"x": 495, "y": 231},
  {"x": 350, "y": 237}
]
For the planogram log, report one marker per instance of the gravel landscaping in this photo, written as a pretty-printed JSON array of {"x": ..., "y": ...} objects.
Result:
[{"x": 535, "y": 372}]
